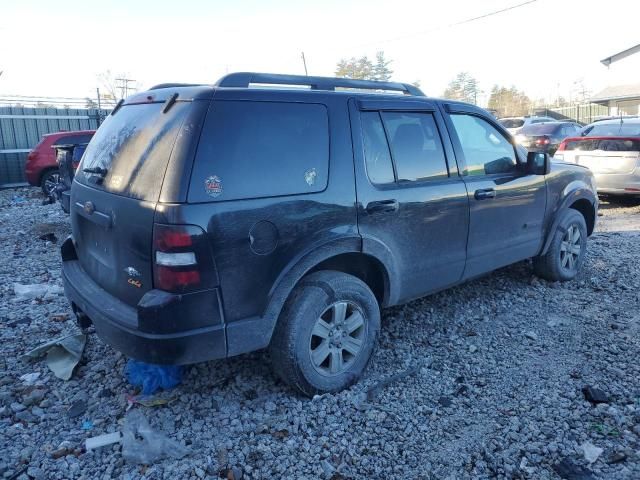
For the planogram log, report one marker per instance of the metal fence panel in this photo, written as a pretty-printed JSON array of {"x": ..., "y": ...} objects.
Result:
[
  {"x": 584, "y": 113},
  {"x": 21, "y": 128}
]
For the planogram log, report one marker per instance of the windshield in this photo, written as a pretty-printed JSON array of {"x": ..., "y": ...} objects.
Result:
[
  {"x": 541, "y": 129},
  {"x": 615, "y": 130},
  {"x": 511, "y": 122},
  {"x": 129, "y": 153}
]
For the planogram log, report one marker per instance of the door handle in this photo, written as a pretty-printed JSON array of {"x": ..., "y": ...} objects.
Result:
[
  {"x": 390, "y": 205},
  {"x": 484, "y": 194}
]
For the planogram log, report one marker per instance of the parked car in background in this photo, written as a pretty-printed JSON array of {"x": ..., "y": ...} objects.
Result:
[
  {"x": 41, "y": 168},
  {"x": 611, "y": 149},
  {"x": 610, "y": 120},
  {"x": 513, "y": 124},
  {"x": 68, "y": 156},
  {"x": 210, "y": 221},
  {"x": 546, "y": 137}
]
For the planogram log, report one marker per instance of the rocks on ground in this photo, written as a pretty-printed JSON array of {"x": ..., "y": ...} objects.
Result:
[{"x": 481, "y": 381}]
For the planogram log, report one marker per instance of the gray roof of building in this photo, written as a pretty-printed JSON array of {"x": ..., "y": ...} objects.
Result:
[{"x": 617, "y": 92}]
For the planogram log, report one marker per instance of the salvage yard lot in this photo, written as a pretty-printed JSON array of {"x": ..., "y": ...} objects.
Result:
[{"x": 481, "y": 381}]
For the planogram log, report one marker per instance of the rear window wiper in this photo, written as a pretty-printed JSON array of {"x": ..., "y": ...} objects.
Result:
[{"x": 96, "y": 171}]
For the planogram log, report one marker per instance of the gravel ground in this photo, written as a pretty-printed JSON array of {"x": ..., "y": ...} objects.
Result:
[{"x": 481, "y": 381}]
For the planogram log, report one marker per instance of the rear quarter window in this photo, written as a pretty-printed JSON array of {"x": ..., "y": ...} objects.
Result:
[{"x": 261, "y": 149}]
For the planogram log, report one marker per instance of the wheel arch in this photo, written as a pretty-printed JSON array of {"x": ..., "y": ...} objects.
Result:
[
  {"x": 582, "y": 200},
  {"x": 344, "y": 255},
  {"x": 365, "y": 267},
  {"x": 45, "y": 171},
  {"x": 588, "y": 211}
]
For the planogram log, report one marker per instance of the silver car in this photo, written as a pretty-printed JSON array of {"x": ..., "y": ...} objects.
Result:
[
  {"x": 611, "y": 150},
  {"x": 515, "y": 124}
]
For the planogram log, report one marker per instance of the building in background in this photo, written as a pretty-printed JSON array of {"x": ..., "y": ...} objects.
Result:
[{"x": 621, "y": 99}]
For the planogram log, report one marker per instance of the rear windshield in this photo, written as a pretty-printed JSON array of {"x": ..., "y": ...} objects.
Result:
[
  {"x": 511, "y": 122},
  {"x": 261, "y": 149},
  {"x": 74, "y": 139},
  {"x": 615, "y": 130},
  {"x": 607, "y": 145},
  {"x": 134, "y": 147},
  {"x": 540, "y": 129}
]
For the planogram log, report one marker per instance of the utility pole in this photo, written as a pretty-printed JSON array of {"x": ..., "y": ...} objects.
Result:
[
  {"x": 304, "y": 62},
  {"x": 124, "y": 86},
  {"x": 99, "y": 107}
]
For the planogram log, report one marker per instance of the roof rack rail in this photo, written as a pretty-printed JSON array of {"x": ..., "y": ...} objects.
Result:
[
  {"x": 173, "y": 85},
  {"x": 244, "y": 79}
]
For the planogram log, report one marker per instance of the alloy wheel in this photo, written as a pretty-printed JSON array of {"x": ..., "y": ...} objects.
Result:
[
  {"x": 337, "y": 338},
  {"x": 570, "y": 248},
  {"x": 51, "y": 182}
]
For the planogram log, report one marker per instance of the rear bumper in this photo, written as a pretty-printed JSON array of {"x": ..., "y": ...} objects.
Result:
[
  {"x": 32, "y": 175},
  {"x": 65, "y": 201},
  {"x": 618, "y": 184},
  {"x": 117, "y": 323}
]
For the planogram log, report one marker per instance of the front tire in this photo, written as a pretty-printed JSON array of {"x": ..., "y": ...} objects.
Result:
[
  {"x": 326, "y": 333},
  {"x": 565, "y": 255}
]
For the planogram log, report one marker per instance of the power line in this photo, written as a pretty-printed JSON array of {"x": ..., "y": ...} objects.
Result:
[
  {"x": 124, "y": 86},
  {"x": 494, "y": 13},
  {"x": 442, "y": 27},
  {"x": 53, "y": 102}
]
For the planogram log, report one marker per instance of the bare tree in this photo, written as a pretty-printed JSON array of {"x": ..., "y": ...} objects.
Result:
[{"x": 116, "y": 86}]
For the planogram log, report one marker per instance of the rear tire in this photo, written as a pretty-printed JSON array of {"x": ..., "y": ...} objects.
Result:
[
  {"x": 49, "y": 181},
  {"x": 326, "y": 333},
  {"x": 567, "y": 250}
]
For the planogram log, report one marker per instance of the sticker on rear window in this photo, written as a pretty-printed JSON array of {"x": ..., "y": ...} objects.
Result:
[
  {"x": 310, "y": 176},
  {"x": 213, "y": 186},
  {"x": 116, "y": 181}
]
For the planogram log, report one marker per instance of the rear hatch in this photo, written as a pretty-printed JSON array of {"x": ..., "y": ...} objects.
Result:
[
  {"x": 116, "y": 190},
  {"x": 602, "y": 155}
]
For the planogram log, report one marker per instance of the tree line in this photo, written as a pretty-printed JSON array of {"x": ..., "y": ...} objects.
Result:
[{"x": 503, "y": 101}]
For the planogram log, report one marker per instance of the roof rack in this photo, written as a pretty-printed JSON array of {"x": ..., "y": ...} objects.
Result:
[
  {"x": 244, "y": 79},
  {"x": 173, "y": 85}
]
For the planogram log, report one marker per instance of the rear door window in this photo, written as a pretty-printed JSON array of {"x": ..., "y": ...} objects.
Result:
[
  {"x": 261, "y": 149},
  {"x": 376, "y": 149},
  {"x": 402, "y": 147}
]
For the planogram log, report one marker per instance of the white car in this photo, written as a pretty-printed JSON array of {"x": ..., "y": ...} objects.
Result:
[{"x": 513, "y": 124}]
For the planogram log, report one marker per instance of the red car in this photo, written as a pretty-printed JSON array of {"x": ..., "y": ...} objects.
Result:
[{"x": 41, "y": 168}]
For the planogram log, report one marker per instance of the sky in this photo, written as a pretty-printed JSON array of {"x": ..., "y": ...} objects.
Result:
[{"x": 545, "y": 48}]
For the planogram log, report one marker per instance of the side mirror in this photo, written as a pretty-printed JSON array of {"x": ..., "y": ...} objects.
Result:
[{"x": 538, "y": 163}]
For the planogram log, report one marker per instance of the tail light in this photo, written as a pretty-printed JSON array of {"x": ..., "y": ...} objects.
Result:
[
  {"x": 182, "y": 260},
  {"x": 543, "y": 141},
  {"x": 562, "y": 146}
]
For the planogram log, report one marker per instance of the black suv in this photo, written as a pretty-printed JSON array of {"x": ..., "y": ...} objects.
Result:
[{"x": 210, "y": 221}]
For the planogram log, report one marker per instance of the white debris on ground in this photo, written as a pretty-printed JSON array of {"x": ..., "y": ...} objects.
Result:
[{"x": 482, "y": 381}]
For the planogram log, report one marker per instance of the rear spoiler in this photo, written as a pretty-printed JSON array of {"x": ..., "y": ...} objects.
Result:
[{"x": 167, "y": 93}]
